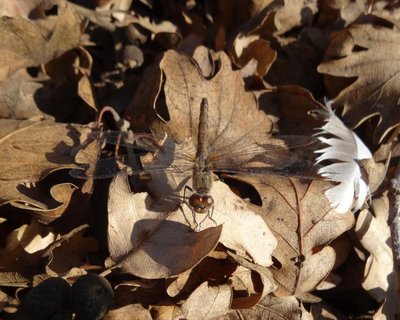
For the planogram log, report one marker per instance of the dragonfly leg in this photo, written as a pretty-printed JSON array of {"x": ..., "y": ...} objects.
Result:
[
  {"x": 185, "y": 197},
  {"x": 210, "y": 214}
]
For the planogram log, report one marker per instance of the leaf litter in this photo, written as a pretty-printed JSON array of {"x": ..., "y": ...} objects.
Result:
[{"x": 270, "y": 245}]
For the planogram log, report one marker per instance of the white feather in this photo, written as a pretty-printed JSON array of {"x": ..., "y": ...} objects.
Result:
[{"x": 344, "y": 148}]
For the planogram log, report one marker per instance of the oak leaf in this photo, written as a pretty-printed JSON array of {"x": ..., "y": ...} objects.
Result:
[
  {"x": 304, "y": 224},
  {"x": 363, "y": 52},
  {"x": 374, "y": 234},
  {"x": 28, "y": 44}
]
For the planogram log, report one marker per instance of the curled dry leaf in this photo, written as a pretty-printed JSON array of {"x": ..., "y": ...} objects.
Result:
[
  {"x": 31, "y": 150},
  {"x": 304, "y": 224},
  {"x": 245, "y": 278},
  {"x": 207, "y": 302},
  {"x": 45, "y": 208},
  {"x": 132, "y": 311},
  {"x": 32, "y": 238},
  {"x": 69, "y": 251},
  {"x": 373, "y": 232},
  {"x": 250, "y": 47},
  {"x": 150, "y": 243},
  {"x": 26, "y": 44},
  {"x": 374, "y": 92}
]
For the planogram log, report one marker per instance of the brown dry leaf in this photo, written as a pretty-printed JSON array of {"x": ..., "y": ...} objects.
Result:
[
  {"x": 13, "y": 279},
  {"x": 148, "y": 242},
  {"x": 25, "y": 43},
  {"x": 165, "y": 312},
  {"x": 294, "y": 14},
  {"x": 230, "y": 211},
  {"x": 67, "y": 86},
  {"x": 208, "y": 302},
  {"x": 251, "y": 47},
  {"x": 31, "y": 150},
  {"x": 304, "y": 223},
  {"x": 130, "y": 311},
  {"x": 216, "y": 269},
  {"x": 379, "y": 278},
  {"x": 69, "y": 251},
  {"x": 253, "y": 282},
  {"x": 291, "y": 104},
  {"x": 185, "y": 87},
  {"x": 17, "y": 96},
  {"x": 341, "y": 13},
  {"x": 363, "y": 52},
  {"x": 274, "y": 308},
  {"x": 46, "y": 208}
]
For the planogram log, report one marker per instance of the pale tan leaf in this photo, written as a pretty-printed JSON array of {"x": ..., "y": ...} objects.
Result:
[
  {"x": 151, "y": 243},
  {"x": 301, "y": 219},
  {"x": 379, "y": 278},
  {"x": 374, "y": 93},
  {"x": 274, "y": 308},
  {"x": 128, "y": 312},
  {"x": 207, "y": 302},
  {"x": 13, "y": 279},
  {"x": 165, "y": 312},
  {"x": 32, "y": 238}
]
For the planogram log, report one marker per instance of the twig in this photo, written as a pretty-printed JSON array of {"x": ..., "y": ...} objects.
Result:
[{"x": 395, "y": 226}]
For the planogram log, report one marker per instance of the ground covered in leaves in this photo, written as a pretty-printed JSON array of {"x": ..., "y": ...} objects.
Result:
[{"x": 118, "y": 240}]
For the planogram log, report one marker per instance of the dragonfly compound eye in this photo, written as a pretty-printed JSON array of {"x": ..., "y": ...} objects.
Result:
[{"x": 201, "y": 203}]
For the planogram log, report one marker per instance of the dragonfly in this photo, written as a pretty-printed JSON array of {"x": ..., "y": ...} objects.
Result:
[{"x": 202, "y": 160}]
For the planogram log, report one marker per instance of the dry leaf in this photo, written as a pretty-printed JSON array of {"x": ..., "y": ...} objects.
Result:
[
  {"x": 374, "y": 92},
  {"x": 250, "y": 47},
  {"x": 69, "y": 251},
  {"x": 207, "y": 302},
  {"x": 167, "y": 312},
  {"x": 150, "y": 243},
  {"x": 130, "y": 311},
  {"x": 274, "y": 308},
  {"x": 17, "y": 96},
  {"x": 185, "y": 87},
  {"x": 304, "y": 224},
  {"x": 32, "y": 238},
  {"x": 379, "y": 279},
  {"x": 28, "y": 44},
  {"x": 33, "y": 149},
  {"x": 256, "y": 288}
]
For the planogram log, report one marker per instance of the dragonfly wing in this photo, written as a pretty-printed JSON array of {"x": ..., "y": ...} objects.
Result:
[{"x": 287, "y": 156}]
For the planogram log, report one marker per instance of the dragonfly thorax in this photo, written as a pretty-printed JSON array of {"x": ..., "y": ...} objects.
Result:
[{"x": 202, "y": 181}]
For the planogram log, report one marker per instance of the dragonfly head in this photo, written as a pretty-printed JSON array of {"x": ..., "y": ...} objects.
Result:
[{"x": 201, "y": 203}]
